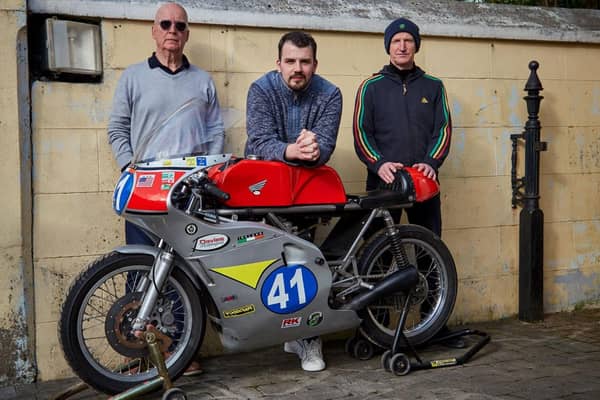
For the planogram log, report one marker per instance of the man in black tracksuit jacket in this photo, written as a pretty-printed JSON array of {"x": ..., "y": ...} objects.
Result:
[{"x": 401, "y": 118}]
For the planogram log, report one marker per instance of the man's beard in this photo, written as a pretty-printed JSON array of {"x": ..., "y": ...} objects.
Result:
[{"x": 297, "y": 84}]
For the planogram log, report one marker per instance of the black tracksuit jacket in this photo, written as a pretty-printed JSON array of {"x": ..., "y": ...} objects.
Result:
[{"x": 401, "y": 117}]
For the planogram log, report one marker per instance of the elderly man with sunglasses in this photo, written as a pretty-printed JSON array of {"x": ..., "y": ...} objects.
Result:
[{"x": 152, "y": 90}]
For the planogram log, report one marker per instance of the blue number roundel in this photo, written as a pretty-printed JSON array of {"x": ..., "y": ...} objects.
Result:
[
  {"x": 122, "y": 192},
  {"x": 289, "y": 289}
]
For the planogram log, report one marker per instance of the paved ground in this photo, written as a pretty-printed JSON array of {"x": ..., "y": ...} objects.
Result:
[{"x": 556, "y": 359}]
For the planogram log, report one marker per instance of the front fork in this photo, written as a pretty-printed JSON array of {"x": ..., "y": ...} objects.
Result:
[{"x": 161, "y": 269}]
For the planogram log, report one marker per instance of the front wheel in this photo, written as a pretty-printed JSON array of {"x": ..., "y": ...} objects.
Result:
[
  {"x": 97, "y": 315},
  {"x": 431, "y": 302}
]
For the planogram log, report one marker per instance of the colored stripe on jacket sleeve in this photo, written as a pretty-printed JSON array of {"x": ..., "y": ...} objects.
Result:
[
  {"x": 441, "y": 146},
  {"x": 360, "y": 136}
]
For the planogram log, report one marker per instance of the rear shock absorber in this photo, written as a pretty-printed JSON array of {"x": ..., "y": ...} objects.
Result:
[{"x": 395, "y": 244}]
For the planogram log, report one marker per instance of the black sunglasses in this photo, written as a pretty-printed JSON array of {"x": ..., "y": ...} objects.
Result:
[{"x": 165, "y": 25}]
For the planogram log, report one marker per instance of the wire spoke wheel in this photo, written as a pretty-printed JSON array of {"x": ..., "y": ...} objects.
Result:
[
  {"x": 98, "y": 315},
  {"x": 431, "y": 301}
]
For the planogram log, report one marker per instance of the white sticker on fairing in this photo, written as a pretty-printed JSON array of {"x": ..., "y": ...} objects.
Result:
[{"x": 211, "y": 242}]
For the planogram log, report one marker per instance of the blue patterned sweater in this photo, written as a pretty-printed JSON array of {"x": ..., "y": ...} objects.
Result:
[{"x": 275, "y": 116}]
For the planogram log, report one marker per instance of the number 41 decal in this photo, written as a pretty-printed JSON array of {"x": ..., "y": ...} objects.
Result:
[{"x": 289, "y": 289}]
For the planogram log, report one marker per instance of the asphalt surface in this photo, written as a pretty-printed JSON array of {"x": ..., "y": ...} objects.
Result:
[{"x": 558, "y": 358}]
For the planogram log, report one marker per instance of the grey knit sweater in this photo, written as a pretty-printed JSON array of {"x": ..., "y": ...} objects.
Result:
[
  {"x": 276, "y": 115},
  {"x": 145, "y": 97}
]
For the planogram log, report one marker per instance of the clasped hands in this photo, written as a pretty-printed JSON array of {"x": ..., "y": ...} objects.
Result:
[
  {"x": 306, "y": 147},
  {"x": 388, "y": 169}
]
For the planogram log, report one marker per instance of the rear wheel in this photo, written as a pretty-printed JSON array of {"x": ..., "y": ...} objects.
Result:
[
  {"x": 431, "y": 301},
  {"x": 97, "y": 316}
]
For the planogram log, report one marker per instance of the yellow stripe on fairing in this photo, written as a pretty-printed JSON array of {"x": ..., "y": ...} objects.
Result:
[{"x": 248, "y": 274}]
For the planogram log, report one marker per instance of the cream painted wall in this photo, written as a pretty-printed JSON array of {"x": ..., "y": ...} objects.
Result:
[
  {"x": 74, "y": 170},
  {"x": 16, "y": 320}
]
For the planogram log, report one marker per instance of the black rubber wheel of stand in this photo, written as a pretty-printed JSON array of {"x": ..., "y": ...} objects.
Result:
[
  {"x": 363, "y": 350},
  {"x": 349, "y": 345},
  {"x": 399, "y": 364},
  {"x": 174, "y": 394},
  {"x": 385, "y": 360}
]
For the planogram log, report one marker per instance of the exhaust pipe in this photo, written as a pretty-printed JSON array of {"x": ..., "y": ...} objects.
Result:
[{"x": 402, "y": 280}]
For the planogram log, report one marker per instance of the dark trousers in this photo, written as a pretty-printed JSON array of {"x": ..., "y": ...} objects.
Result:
[
  {"x": 427, "y": 214},
  {"x": 136, "y": 235}
]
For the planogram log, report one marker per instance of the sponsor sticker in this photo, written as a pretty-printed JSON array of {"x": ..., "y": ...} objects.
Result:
[
  {"x": 239, "y": 311},
  {"x": 165, "y": 186},
  {"x": 227, "y": 299},
  {"x": 292, "y": 322},
  {"x": 166, "y": 163},
  {"x": 211, "y": 242},
  {"x": 145, "y": 181},
  {"x": 190, "y": 161},
  {"x": 443, "y": 363},
  {"x": 315, "y": 318},
  {"x": 168, "y": 177},
  {"x": 191, "y": 229},
  {"x": 201, "y": 161},
  {"x": 250, "y": 237}
]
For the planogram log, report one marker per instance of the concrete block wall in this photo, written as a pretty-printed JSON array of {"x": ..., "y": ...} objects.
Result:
[
  {"x": 17, "y": 362},
  {"x": 73, "y": 169}
]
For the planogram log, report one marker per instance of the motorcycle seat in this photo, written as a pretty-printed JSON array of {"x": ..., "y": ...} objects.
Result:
[{"x": 384, "y": 198}]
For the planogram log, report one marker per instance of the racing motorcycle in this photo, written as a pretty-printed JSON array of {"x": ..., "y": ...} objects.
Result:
[{"x": 238, "y": 245}]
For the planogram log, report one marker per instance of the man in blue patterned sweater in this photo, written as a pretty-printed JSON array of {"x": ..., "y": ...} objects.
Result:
[{"x": 293, "y": 115}]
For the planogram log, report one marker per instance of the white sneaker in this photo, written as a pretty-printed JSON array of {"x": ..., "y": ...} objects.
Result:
[{"x": 309, "y": 352}]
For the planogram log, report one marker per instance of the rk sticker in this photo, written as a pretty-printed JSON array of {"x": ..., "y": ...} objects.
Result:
[
  {"x": 289, "y": 289},
  {"x": 250, "y": 237},
  {"x": 191, "y": 229},
  {"x": 315, "y": 318},
  {"x": 211, "y": 242},
  {"x": 239, "y": 311},
  {"x": 165, "y": 186},
  {"x": 292, "y": 322},
  {"x": 145, "y": 181}
]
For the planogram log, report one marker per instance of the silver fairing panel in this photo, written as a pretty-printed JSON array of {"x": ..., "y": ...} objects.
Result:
[{"x": 268, "y": 286}]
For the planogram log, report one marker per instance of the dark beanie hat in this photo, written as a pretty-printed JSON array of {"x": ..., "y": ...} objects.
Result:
[{"x": 401, "y": 25}]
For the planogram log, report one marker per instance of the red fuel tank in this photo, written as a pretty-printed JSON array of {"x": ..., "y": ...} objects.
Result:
[{"x": 259, "y": 183}]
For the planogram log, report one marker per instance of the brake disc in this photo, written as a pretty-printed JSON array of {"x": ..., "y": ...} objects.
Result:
[{"x": 118, "y": 326}]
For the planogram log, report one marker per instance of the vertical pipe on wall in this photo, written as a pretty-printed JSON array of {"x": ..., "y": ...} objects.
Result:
[{"x": 531, "y": 219}]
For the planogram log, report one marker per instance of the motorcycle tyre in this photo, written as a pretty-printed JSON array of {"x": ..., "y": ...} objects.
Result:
[
  {"x": 68, "y": 329},
  {"x": 376, "y": 246}
]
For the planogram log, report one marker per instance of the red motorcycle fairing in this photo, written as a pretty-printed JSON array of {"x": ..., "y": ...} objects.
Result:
[
  {"x": 259, "y": 183},
  {"x": 150, "y": 189},
  {"x": 425, "y": 188}
]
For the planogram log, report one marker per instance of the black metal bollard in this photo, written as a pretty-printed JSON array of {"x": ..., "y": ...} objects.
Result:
[{"x": 531, "y": 218}]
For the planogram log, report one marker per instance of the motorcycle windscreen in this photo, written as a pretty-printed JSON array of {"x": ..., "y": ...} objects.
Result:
[{"x": 182, "y": 133}]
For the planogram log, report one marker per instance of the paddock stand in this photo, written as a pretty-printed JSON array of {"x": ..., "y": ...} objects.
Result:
[
  {"x": 395, "y": 361},
  {"x": 163, "y": 379}
]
